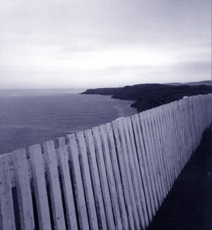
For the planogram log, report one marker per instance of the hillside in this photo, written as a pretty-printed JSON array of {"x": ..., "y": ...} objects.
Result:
[
  {"x": 147, "y": 96},
  {"x": 192, "y": 83}
]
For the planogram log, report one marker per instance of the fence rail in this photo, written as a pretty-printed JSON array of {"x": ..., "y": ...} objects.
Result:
[{"x": 114, "y": 176}]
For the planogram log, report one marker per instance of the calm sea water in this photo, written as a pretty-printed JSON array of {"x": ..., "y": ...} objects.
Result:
[{"x": 31, "y": 117}]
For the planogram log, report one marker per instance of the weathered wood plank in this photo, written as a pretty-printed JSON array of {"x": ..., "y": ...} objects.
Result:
[
  {"x": 187, "y": 144},
  {"x": 39, "y": 185},
  {"x": 142, "y": 164},
  {"x": 177, "y": 138},
  {"x": 23, "y": 189},
  {"x": 135, "y": 167},
  {"x": 162, "y": 135},
  {"x": 172, "y": 144},
  {"x": 125, "y": 152},
  {"x": 117, "y": 177},
  {"x": 179, "y": 130},
  {"x": 150, "y": 163},
  {"x": 63, "y": 162},
  {"x": 192, "y": 119},
  {"x": 182, "y": 131},
  {"x": 175, "y": 147},
  {"x": 157, "y": 153},
  {"x": 7, "y": 221},
  {"x": 89, "y": 197},
  {"x": 169, "y": 141},
  {"x": 177, "y": 160},
  {"x": 77, "y": 182},
  {"x": 190, "y": 129},
  {"x": 123, "y": 174},
  {"x": 111, "y": 181},
  {"x": 103, "y": 178},
  {"x": 159, "y": 139},
  {"x": 100, "y": 210},
  {"x": 154, "y": 154},
  {"x": 195, "y": 114},
  {"x": 54, "y": 185},
  {"x": 135, "y": 174}
]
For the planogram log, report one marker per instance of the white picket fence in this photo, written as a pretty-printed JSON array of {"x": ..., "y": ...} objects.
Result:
[{"x": 114, "y": 176}]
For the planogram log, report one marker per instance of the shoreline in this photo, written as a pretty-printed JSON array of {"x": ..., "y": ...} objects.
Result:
[{"x": 148, "y": 96}]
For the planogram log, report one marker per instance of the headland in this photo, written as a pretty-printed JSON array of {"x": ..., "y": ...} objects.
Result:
[{"x": 147, "y": 96}]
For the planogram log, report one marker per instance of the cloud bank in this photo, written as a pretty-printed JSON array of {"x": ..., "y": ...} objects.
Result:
[{"x": 78, "y": 43}]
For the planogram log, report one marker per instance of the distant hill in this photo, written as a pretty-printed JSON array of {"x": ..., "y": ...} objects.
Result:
[
  {"x": 193, "y": 83},
  {"x": 147, "y": 96},
  {"x": 102, "y": 91}
]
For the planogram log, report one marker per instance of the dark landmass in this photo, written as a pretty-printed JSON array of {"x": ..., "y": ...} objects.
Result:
[
  {"x": 147, "y": 96},
  {"x": 192, "y": 83},
  {"x": 188, "y": 206},
  {"x": 102, "y": 91}
]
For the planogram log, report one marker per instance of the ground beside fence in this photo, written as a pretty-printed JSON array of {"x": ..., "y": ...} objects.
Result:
[{"x": 188, "y": 206}]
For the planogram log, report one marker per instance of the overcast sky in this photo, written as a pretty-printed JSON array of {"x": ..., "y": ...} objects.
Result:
[{"x": 103, "y": 43}]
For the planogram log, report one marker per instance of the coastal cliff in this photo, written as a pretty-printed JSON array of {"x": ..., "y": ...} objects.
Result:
[{"x": 147, "y": 96}]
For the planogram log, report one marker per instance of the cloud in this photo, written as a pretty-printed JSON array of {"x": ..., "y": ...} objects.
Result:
[{"x": 85, "y": 38}]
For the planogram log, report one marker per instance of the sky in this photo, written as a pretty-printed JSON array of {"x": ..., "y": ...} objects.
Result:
[{"x": 110, "y": 43}]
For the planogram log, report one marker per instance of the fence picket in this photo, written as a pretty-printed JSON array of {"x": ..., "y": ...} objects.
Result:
[
  {"x": 168, "y": 144},
  {"x": 176, "y": 140},
  {"x": 23, "y": 189},
  {"x": 123, "y": 175},
  {"x": 110, "y": 176},
  {"x": 125, "y": 148},
  {"x": 39, "y": 185},
  {"x": 54, "y": 185},
  {"x": 117, "y": 177},
  {"x": 155, "y": 155},
  {"x": 133, "y": 162},
  {"x": 77, "y": 182},
  {"x": 100, "y": 210},
  {"x": 89, "y": 197},
  {"x": 183, "y": 134},
  {"x": 171, "y": 144},
  {"x": 150, "y": 163},
  {"x": 7, "y": 221},
  {"x": 159, "y": 137},
  {"x": 179, "y": 130},
  {"x": 161, "y": 130},
  {"x": 63, "y": 162},
  {"x": 103, "y": 178},
  {"x": 143, "y": 165}
]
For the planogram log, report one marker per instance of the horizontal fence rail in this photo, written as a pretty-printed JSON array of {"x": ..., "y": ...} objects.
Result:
[{"x": 114, "y": 176}]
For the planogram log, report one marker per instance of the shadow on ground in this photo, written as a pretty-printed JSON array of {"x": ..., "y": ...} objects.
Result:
[{"x": 188, "y": 206}]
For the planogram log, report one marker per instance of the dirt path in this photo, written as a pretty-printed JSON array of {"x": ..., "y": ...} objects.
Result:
[{"x": 189, "y": 204}]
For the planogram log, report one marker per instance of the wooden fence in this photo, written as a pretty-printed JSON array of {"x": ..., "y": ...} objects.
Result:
[{"x": 114, "y": 176}]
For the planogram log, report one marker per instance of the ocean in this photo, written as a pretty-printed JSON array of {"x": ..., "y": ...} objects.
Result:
[{"x": 29, "y": 117}]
